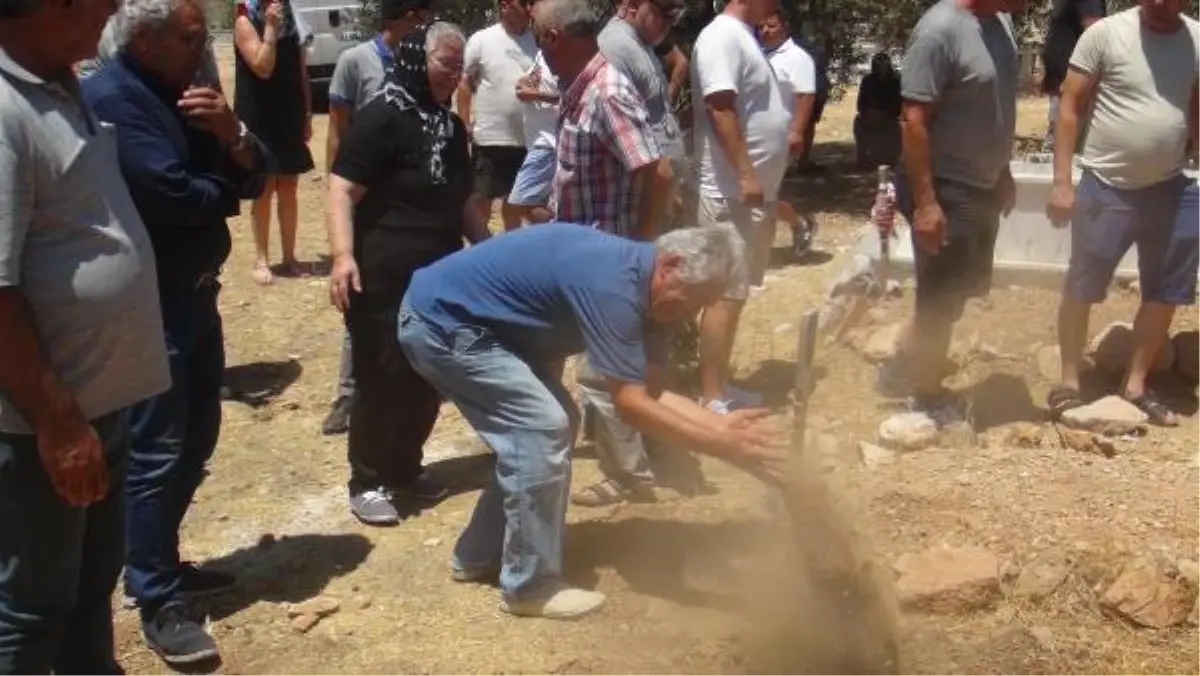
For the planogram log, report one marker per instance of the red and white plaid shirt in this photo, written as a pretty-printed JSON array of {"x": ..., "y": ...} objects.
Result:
[{"x": 603, "y": 137}]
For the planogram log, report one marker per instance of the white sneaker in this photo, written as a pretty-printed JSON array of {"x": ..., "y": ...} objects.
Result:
[{"x": 558, "y": 603}]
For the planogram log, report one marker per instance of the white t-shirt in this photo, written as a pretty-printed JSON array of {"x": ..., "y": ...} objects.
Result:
[
  {"x": 541, "y": 119},
  {"x": 494, "y": 61},
  {"x": 796, "y": 72},
  {"x": 727, "y": 57}
]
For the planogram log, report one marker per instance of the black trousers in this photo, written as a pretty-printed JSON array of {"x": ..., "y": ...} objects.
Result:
[{"x": 394, "y": 411}]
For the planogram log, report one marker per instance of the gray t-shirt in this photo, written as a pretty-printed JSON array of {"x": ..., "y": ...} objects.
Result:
[
  {"x": 359, "y": 74},
  {"x": 619, "y": 43},
  {"x": 1144, "y": 82},
  {"x": 966, "y": 66},
  {"x": 72, "y": 241}
]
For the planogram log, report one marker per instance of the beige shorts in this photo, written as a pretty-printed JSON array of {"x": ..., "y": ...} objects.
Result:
[{"x": 747, "y": 224}]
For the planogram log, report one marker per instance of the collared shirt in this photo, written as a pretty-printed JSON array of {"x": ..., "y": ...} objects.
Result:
[
  {"x": 71, "y": 242},
  {"x": 591, "y": 294},
  {"x": 604, "y": 136},
  {"x": 360, "y": 73},
  {"x": 181, "y": 179}
]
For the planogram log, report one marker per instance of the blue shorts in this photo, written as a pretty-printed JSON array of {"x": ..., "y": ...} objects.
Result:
[
  {"x": 1161, "y": 219},
  {"x": 535, "y": 179}
]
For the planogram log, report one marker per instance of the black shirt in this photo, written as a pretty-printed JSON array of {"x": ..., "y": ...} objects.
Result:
[
  {"x": 877, "y": 92},
  {"x": 1066, "y": 25},
  {"x": 405, "y": 220}
]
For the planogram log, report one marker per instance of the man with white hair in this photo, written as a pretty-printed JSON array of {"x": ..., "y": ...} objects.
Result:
[
  {"x": 80, "y": 342},
  {"x": 487, "y": 329},
  {"x": 188, "y": 161}
]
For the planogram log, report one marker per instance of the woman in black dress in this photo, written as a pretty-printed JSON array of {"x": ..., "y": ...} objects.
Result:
[
  {"x": 398, "y": 195},
  {"x": 273, "y": 99},
  {"x": 877, "y": 125}
]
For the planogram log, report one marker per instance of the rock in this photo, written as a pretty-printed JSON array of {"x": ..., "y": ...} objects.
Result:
[
  {"x": 1147, "y": 596},
  {"x": 875, "y": 456},
  {"x": 1187, "y": 354},
  {"x": 1025, "y": 435},
  {"x": 908, "y": 431},
  {"x": 1086, "y": 442},
  {"x": 321, "y": 606},
  {"x": 1049, "y": 362},
  {"x": 882, "y": 344},
  {"x": 362, "y": 602},
  {"x": 432, "y": 542},
  {"x": 1040, "y": 577},
  {"x": 1044, "y": 637},
  {"x": 948, "y": 580},
  {"x": 959, "y": 434},
  {"x": 1112, "y": 347},
  {"x": 1112, "y": 416},
  {"x": 1188, "y": 570},
  {"x": 302, "y": 623}
]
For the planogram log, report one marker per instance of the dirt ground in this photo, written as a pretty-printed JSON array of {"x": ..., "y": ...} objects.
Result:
[{"x": 711, "y": 583}]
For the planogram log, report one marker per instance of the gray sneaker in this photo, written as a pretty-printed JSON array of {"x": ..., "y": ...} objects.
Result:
[{"x": 374, "y": 507}]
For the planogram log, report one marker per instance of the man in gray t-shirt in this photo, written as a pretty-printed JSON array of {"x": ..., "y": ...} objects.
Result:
[
  {"x": 628, "y": 41},
  {"x": 357, "y": 77},
  {"x": 959, "y": 83},
  {"x": 81, "y": 340}
]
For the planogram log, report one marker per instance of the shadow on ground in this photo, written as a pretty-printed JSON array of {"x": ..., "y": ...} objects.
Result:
[
  {"x": 691, "y": 564},
  {"x": 287, "y": 570},
  {"x": 840, "y": 187},
  {"x": 258, "y": 383}
]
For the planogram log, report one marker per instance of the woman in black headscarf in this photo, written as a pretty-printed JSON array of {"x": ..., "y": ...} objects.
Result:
[
  {"x": 398, "y": 193},
  {"x": 877, "y": 125}
]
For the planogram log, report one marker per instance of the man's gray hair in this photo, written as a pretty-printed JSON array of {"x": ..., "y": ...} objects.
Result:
[
  {"x": 440, "y": 31},
  {"x": 572, "y": 17},
  {"x": 707, "y": 254},
  {"x": 136, "y": 15}
]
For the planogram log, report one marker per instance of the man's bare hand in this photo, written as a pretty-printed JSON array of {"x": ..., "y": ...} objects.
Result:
[
  {"x": 795, "y": 141},
  {"x": 929, "y": 226},
  {"x": 527, "y": 90},
  {"x": 205, "y": 108},
  {"x": 1061, "y": 204},
  {"x": 753, "y": 435},
  {"x": 751, "y": 191},
  {"x": 73, "y": 456}
]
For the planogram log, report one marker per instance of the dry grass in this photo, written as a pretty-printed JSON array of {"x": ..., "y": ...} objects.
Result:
[{"x": 707, "y": 584}]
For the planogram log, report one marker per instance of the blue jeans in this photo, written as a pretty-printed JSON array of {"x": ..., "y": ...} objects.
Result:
[
  {"x": 174, "y": 435},
  {"x": 525, "y": 415},
  {"x": 59, "y": 564}
]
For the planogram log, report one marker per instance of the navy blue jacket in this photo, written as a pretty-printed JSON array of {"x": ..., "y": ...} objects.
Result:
[{"x": 182, "y": 179}]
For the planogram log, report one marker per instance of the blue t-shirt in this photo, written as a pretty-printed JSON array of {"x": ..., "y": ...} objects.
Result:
[{"x": 550, "y": 291}]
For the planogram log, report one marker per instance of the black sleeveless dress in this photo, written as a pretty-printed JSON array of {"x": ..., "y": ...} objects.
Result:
[{"x": 273, "y": 109}]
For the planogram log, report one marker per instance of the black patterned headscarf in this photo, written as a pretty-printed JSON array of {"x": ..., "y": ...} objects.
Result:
[{"x": 407, "y": 88}]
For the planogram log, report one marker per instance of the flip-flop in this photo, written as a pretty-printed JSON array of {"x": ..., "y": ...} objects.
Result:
[
  {"x": 1062, "y": 399},
  {"x": 609, "y": 492},
  {"x": 1157, "y": 411}
]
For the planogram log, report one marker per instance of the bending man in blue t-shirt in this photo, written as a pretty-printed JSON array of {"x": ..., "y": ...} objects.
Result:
[{"x": 487, "y": 325}]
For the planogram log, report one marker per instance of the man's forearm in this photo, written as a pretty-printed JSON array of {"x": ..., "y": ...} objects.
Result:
[
  {"x": 475, "y": 228},
  {"x": 339, "y": 119},
  {"x": 668, "y": 419},
  {"x": 464, "y": 103},
  {"x": 1066, "y": 136},
  {"x": 732, "y": 142},
  {"x": 25, "y": 376},
  {"x": 804, "y": 108},
  {"x": 917, "y": 163},
  {"x": 654, "y": 181}
]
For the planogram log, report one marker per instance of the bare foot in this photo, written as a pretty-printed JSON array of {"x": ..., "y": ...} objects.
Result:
[{"x": 262, "y": 274}]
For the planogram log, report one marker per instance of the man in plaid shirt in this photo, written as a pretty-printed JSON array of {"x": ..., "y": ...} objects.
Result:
[{"x": 609, "y": 172}]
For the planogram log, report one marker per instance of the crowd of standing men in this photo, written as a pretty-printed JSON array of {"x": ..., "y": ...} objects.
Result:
[{"x": 116, "y": 190}]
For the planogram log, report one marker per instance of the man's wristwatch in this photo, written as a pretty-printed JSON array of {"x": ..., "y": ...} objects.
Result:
[{"x": 243, "y": 138}]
